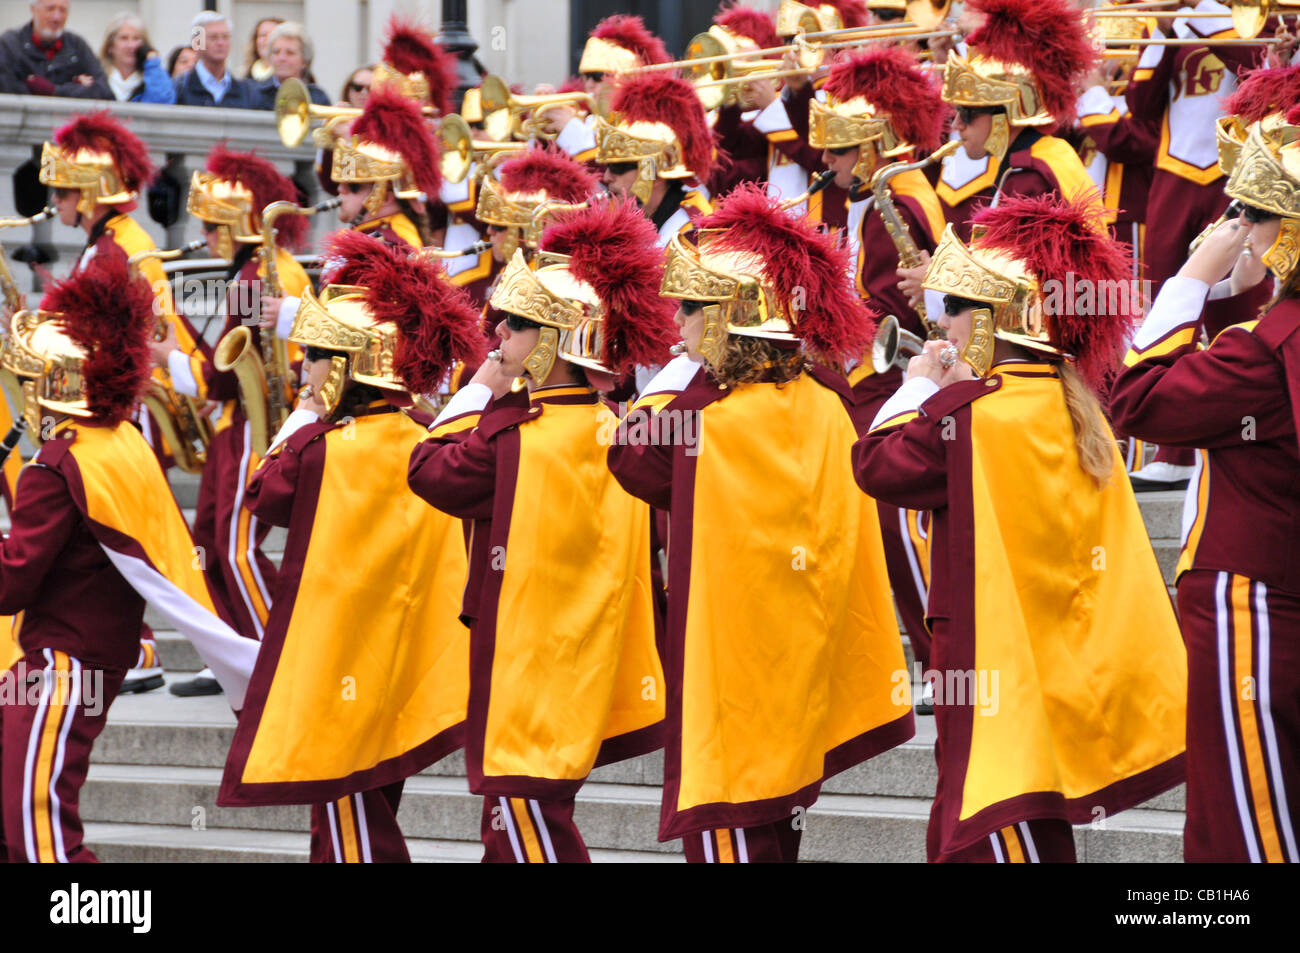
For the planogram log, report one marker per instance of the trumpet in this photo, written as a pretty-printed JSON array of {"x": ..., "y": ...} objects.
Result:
[
  {"x": 187, "y": 432},
  {"x": 294, "y": 112},
  {"x": 894, "y": 346},
  {"x": 1248, "y": 16},
  {"x": 13, "y": 298},
  {"x": 503, "y": 110},
  {"x": 460, "y": 149}
]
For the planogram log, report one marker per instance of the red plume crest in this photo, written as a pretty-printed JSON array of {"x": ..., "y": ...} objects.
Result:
[
  {"x": 631, "y": 33},
  {"x": 100, "y": 132},
  {"x": 654, "y": 97},
  {"x": 890, "y": 79},
  {"x": 396, "y": 123},
  {"x": 266, "y": 183},
  {"x": 411, "y": 49}
]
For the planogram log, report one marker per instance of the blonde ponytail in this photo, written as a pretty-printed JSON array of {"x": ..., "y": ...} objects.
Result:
[{"x": 1095, "y": 444}]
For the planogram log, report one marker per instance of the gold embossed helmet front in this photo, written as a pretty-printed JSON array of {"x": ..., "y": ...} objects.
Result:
[
  {"x": 1266, "y": 176},
  {"x": 99, "y": 157}
]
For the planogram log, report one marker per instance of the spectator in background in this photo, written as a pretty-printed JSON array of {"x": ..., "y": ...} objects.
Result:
[
  {"x": 357, "y": 88},
  {"x": 43, "y": 59},
  {"x": 134, "y": 70},
  {"x": 290, "y": 52},
  {"x": 257, "y": 55},
  {"x": 210, "y": 83},
  {"x": 181, "y": 60}
]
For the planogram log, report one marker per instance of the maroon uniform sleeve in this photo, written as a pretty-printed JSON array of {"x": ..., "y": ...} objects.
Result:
[
  {"x": 1147, "y": 94},
  {"x": 274, "y": 485},
  {"x": 1204, "y": 399},
  {"x": 642, "y": 459},
  {"x": 43, "y": 520},
  {"x": 904, "y": 462},
  {"x": 1126, "y": 140}
]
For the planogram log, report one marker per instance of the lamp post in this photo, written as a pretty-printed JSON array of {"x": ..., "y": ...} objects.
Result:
[{"x": 454, "y": 37}]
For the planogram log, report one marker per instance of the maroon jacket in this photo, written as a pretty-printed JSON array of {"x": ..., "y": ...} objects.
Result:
[
  {"x": 54, "y": 571},
  {"x": 1238, "y": 402}
]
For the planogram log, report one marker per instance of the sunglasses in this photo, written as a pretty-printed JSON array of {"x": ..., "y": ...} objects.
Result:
[
  {"x": 841, "y": 151},
  {"x": 358, "y": 87},
  {"x": 968, "y": 113},
  {"x": 314, "y": 354},
  {"x": 517, "y": 323},
  {"x": 1256, "y": 216},
  {"x": 594, "y": 77},
  {"x": 210, "y": 227},
  {"x": 621, "y": 168},
  {"x": 690, "y": 307},
  {"x": 353, "y": 188},
  {"x": 953, "y": 305}
]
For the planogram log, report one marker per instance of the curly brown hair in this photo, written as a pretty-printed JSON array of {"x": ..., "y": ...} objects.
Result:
[{"x": 748, "y": 360}]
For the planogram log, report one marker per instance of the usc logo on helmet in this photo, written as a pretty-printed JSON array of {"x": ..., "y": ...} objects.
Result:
[{"x": 1202, "y": 73}]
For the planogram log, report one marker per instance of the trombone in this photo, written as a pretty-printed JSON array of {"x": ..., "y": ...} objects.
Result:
[
  {"x": 503, "y": 110},
  {"x": 1248, "y": 16}
]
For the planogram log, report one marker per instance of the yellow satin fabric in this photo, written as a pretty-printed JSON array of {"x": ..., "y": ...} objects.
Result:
[
  {"x": 792, "y": 646},
  {"x": 375, "y": 660},
  {"x": 126, "y": 491},
  {"x": 575, "y": 660},
  {"x": 1071, "y": 612}
]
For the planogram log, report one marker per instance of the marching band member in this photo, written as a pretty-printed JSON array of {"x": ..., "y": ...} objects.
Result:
[
  {"x": 782, "y": 646},
  {"x": 656, "y": 147},
  {"x": 229, "y": 199},
  {"x": 372, "y": 649},
  {"x": 743, "y": 28},
  {"x": 1013, "y": 87},
  {"x": 1238, "y": 576},
  {"x": 95, "y": 533},
  {"x": 97, "y": 167},
  {"x": 1067, "y": 609},
  {"x": 617, "y": 45},
  {"x": 564, "y": 674}
]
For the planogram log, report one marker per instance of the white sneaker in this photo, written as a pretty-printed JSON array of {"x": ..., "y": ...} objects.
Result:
[
  {"x": 1160, "y": 475},
  {"x": 140, "y": 680}
]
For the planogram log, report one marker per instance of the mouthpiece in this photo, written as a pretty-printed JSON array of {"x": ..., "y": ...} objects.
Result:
[
  {"x": 678, "y": 349},
  {"x": 948, "y": 356},
  {"x": 494, "y": 355}
]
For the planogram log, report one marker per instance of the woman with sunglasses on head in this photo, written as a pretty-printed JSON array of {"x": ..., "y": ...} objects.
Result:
[
  {"x": 1237, "y": 404},
  {"x": 1060, "y": 677}
]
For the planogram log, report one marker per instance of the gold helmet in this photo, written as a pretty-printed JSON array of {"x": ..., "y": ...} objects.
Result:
[
  {"x": 100, "y": 158},
  {"x": 522, "y": 184},
  {"x": 881, "y": 102},
  {"x": 232, "y": 193},
  {"x": 619, "y": 44},
  {"x": 1266, "y": 175},
  {"x": 1025, "y": 274},
  {"x": 657, "y": 123},
  {"x": 549, "y": 296},
  {"x": 415, "y": 66},
  {"x": 85, "y": 353},
  {"x": 1024, "y": 62},
  {"x": 393, "y": 320},
  {"x": 760, "y": 273},
  {"x": 393, "y": 146}
]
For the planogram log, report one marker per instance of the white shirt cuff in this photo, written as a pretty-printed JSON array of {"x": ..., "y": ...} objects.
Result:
[
  {"x": 1095, "y": 102},
  {"x": 576, "y": 138},
  {"x": 469, "y": 399},
  {"x": 1180, "y": 302},
  {"x": 284, "y": 319},
  {"x": 914, "y": 392},
  {"x": 773, "y": 118},
  {"x": 296, "y": 421},
  {"x": 182, "y": 375}
]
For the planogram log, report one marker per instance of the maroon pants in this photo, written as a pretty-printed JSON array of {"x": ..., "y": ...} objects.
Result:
[
  {"x": 776, "y": 843},
  {"x": 1177, "y": 211},
  {"x": 51, "y": 711},
  {"x": 519, "y": 830},
  {"x": 1028, "y": 842},
  {"x": 1243, "y": 718},
  {"x": 359, "y": 829}
]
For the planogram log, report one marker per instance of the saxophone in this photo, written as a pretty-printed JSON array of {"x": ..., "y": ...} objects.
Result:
[
  {"x": 909, "y": 255},
  {"x": 263, "y": 378},
  {"x": 187, "y": 431},
  {"x": 13, "y": 302}
]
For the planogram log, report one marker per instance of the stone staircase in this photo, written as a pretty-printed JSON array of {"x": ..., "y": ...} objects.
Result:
[{"x": 151, "y": 792}]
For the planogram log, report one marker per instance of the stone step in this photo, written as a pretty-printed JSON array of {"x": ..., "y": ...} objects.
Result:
[
  {"x": 839, "y": 827},
  {"x": 155, "y": 843},
  {"x": 160, "y": 729}
]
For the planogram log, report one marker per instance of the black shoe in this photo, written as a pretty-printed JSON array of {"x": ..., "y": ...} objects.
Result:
[
  {"x": 140, "y": 680},
  {"x": 924, "y": 708},
  {"x": 199, "y": 685}
]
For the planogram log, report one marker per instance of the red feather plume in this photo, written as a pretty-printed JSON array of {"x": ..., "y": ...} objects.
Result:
[
  {"x": 853, "y": 13},
  {"x": 436, "y": 321},
  {"x": 548, "y": 169},
  {"x": 266, "y": 183},
  {"x": 631, "y": 33},
  {"x": 612, "y": 247},
  {"x": 1263, "y": 92},
  {"x": 573, "y": 84},
  {"x": 396, "y": 123},
  {"x": 1293, "y": 115},
  {"x": 1046, "y": 36},
  {"x": 410, "y": 48},
  {"x": 1057, "y": 237},
  {"x": 804, "y": 267},
  {"x": 654, "y": 97},
  {"x": 100, "y": 132},
  {"x": 112, "y": 317},
  {"x": 890, "y": 79},
  {"x": 748, "y": 22}
]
